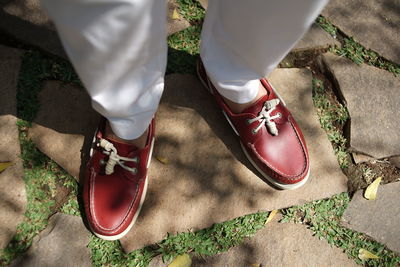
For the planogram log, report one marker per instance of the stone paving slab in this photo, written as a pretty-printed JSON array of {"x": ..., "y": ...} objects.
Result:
[
  {"x": 208, "y": 179},
  {"x": 278, "y": 244},
  {"x": 26, "y": 21},
  {"x": 375, "y": 24},
  {"x": 64, "y": 126},
  {"x": 380, "y": 218},
  {"x": 373, "y": 101},
  {"x": 175, "y": 25},
  {"x": 12, "y": 186},
  {"x": 315, "y": 38},
  {"x": 63, "y": 243}
]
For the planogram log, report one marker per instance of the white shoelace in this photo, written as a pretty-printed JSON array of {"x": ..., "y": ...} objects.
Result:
[
  {"x": 115, "y": 159},
  {"x": 264, "y": 117}
]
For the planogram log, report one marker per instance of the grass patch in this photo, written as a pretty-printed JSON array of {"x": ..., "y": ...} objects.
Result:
[
  {"x": 192, "y": 11},
  {"x": 218, "y": 238},
  {"x": 183, "y": 50},
  {"x": 71, "y": 206},
  {"x": 353, "y": 50},
  {"x": 323, "y": 218},
  {"x": 327, "y": 26},
  {"x": 332, "y": 117},
  {"x": 184, "y": 46},
  {"x": 110, "y": 253}
]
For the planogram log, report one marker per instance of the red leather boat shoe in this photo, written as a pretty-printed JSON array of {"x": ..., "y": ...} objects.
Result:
[
  {"x": 115, "y": 184},
  {"x": 269, "y": 136}
]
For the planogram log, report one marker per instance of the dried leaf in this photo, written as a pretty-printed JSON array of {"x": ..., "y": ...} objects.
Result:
[
  {"x": 255, "y": 265},
  {"x": 181, "y": 261},
  {"x": 372, "y": 189},
  {"x": 365, "y": 254},
  {"x": 5, "y": 165},
  {"x": 175, "y": 14},
  {"x": 271, "y": 216},
  {"x": 162, "y": 160}
]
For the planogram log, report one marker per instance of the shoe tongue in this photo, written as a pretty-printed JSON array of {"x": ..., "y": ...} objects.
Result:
[
  {"x": 123, "y": 150},
  {"x": 256, "y": 107}
]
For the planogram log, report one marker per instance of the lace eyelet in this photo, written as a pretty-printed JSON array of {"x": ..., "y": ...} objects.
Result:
[
  {"x": 279, "y": 115},
  {"x": 137, "y": 159},
  {"x": 102, "y": 162},
  {"x": 254, "y": 131},
  {"x": 248, "y": 122},
  {"x": 134, "y": 170}
]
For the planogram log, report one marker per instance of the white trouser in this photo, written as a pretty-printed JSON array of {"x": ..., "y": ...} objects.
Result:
[{"x": 119, "y": 49}]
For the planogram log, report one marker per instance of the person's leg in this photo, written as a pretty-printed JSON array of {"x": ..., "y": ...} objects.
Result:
[
  {"x": 242, "y": 42},
  {"x": 119, "y": 49}
]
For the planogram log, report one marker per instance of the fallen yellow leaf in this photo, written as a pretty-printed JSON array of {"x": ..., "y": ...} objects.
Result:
[
  {"x": 365, "y": 254},
  {"x": 175, "y": 14},
  {"x": 162, "y": 160},
  {"x": 271, "y": 216},
  {"x": 255, "y": 265},
  {"x": 372, "y": 189},
  {"x": 5, "y": 165},
  {"x": 181, "y": 261}
]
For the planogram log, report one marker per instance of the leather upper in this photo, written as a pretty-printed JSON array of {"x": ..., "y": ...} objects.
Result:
[
  {"x": 111, "y": 201},
  {"x": 283, "y": 157}
]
